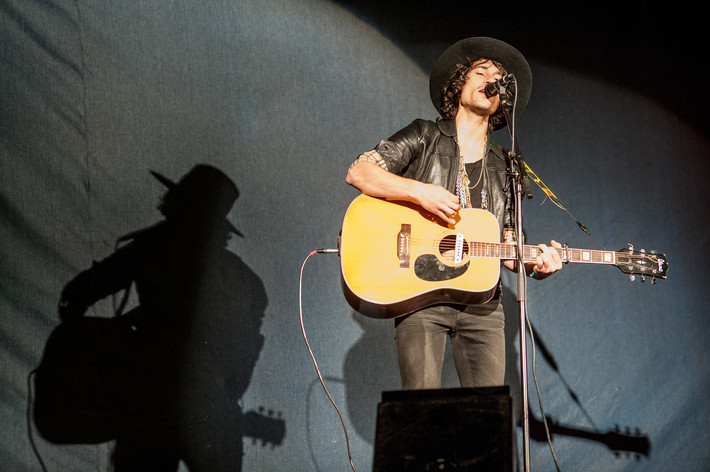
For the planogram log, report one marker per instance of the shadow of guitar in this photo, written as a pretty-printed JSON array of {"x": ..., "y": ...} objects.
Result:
[{"x": 621, "y": 442}]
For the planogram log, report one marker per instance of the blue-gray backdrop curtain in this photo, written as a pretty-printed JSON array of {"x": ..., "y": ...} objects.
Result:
[{"x": 282, "y": 96}]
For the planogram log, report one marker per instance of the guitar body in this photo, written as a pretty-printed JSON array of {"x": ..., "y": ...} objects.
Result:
[
  {"x": 396, "y": 258},
  {"x": 90, "y": 384},
  {"x": 99, "y": 380}
]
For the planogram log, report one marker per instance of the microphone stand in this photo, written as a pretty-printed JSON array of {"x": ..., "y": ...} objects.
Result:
[{"x": 522, "y": 186}]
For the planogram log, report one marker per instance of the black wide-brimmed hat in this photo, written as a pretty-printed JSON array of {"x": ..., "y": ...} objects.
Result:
[
  {"x": 469, "y": 49},
  {"x": 204, "y": 191}
]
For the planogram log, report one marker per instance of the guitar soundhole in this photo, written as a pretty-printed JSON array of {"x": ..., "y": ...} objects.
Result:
[{"x": 447, "y": 246}]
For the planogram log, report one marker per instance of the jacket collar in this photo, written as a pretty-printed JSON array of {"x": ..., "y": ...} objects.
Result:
[{"x": 448, "y": 127}]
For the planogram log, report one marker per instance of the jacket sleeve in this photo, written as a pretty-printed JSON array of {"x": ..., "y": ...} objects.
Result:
[
  {"x": 402, "y": 148},
  {"x": 102, "y": 279}
]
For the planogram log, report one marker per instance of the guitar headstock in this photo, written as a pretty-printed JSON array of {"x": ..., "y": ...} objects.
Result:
[
  {"x": 627, "y": 442},
  {"x": 642, "y": 263}
]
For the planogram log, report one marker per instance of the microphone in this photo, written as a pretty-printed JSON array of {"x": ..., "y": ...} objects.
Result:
[{"x": 493, "y": 89}]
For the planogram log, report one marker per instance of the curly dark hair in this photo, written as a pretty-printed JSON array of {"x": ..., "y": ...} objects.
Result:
[{"x": 451, "y": 93}]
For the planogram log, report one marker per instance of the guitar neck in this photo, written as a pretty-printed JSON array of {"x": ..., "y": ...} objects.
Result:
[{"x": 508, "y": 251}]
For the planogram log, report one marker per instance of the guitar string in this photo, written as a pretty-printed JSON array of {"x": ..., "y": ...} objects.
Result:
[
  {"x": 470, "y": 246},
  {"x": 489, "y": 249},
  {"x": 506, "y": 246}
]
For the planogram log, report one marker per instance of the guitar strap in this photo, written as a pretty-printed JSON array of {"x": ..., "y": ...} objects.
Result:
[{"x": 554, "y": 199}]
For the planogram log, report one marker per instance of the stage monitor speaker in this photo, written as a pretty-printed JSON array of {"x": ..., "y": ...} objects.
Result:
[{"x": 461, "y": 429}]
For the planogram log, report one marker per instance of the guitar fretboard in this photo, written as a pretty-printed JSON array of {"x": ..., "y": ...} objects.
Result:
[{"x": 530, "y": 253}]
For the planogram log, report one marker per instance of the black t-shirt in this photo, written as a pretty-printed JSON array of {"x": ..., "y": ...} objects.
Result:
[{"x": 473, "y": 169}]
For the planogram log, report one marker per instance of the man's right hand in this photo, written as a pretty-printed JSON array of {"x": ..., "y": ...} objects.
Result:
[{"x": 437, "y": 200}]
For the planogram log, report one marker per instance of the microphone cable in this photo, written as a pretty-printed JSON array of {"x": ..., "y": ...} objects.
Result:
[{"x": 310, "y": 351}]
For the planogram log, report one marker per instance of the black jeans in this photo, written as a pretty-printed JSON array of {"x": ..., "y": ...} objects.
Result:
[{"x": 477, "y": 343}]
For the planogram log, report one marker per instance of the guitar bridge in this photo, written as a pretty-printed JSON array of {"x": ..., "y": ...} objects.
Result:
[
  {"x": 403, "y": 239},
  {"x": 458, "y": 248}
]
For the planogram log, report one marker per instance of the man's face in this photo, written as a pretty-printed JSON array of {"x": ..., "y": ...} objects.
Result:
[{"x": 473, "y": 97}]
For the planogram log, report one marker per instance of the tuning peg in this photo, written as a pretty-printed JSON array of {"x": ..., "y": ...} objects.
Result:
[
  {"x": 653, "y": 252},
  {"x": 653, "y": 280},
  {"x": 632, "y": 277},
  {"x": 643, "y": 279}
]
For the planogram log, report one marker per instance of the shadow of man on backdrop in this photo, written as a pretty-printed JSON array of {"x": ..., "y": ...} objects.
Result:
[{"x": 164, "y": 379}]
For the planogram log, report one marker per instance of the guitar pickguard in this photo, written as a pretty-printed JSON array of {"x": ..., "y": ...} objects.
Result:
[{"x": 429, "y": 268}]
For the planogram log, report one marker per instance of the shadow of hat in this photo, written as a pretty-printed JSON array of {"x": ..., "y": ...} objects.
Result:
[{"x": 204, "y": 191}]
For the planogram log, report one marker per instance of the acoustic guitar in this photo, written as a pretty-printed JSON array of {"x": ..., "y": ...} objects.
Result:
[{"x": 397, "y": 258}]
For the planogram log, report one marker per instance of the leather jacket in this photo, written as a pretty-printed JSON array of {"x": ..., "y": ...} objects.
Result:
[{"x": 427, "y": 151}]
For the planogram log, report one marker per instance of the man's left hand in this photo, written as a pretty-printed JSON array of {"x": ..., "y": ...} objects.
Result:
[{"x": 548, "y": 260}]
